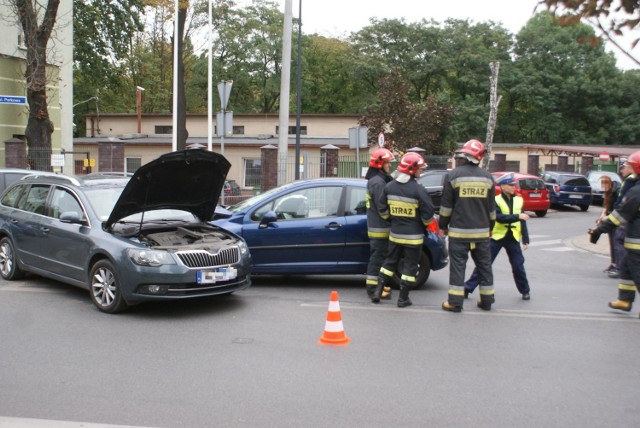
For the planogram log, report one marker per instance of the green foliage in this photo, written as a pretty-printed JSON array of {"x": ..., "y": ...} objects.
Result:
[{"x": 424, "y": 83}]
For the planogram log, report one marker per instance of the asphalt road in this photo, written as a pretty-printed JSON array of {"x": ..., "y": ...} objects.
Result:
[{"x": 562, "y": 359}]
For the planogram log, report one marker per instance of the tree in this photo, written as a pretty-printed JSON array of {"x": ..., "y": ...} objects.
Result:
[
  {"x": 406, "y": 124},
  {"x": 37, "y": 27},
  {"x": 565, "y": 89},
  {"x": 611, "y": 18}
]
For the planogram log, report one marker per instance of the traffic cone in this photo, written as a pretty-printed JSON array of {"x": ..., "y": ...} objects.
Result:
[{"x": 333, "y": 328}]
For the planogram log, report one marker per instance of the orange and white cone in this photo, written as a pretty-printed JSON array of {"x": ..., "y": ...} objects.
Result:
[{"x": 333, "y": 328}]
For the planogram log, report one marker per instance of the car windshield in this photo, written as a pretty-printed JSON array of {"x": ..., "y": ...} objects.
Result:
[
  {"x": 104, "y": 199},
  {"x": 572, "y": 180},
  {"x": 531, "y": 184},
  {"x": 428, "y": 180},
  {"x": 243, "y": 205}
]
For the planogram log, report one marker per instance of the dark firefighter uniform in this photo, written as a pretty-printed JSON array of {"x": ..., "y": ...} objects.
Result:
[
  {"x": 627, "y": 214},
  {"x": 409, "y": 208},
  {"x": 467, "y": 210},
  {"x": 377, "y": 228}
]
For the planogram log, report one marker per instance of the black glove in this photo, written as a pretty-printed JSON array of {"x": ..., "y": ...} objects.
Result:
[{"x": 594, "y": 235}]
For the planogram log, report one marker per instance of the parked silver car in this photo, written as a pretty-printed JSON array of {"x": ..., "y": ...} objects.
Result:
[{"x": 126, "y": 240}]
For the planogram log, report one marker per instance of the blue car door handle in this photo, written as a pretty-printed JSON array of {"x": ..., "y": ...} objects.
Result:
[{"x": 333, "y": 225}]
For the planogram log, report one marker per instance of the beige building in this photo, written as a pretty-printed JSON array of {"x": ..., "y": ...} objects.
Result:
[
  {"x": 14, "y": 111},
  {"x": 242, "y": 146},
  {"x": 253, "y": 132}
]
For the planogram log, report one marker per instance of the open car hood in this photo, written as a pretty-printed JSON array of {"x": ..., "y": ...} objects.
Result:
[{"x": 189, "y": 180}]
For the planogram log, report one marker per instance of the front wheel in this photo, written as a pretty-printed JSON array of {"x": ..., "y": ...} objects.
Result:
[
  {"x": 424, "y": 270},
  {"x": 105, "y": 288},
  {"x": 9, "y": 268},
  {"x": 541, "y": 213}
]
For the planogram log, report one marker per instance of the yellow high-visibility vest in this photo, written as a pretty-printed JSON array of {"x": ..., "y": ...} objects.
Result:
[{"x": 500, "y": 229}]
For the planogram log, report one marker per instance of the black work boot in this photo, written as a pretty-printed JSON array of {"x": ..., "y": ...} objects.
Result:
[
  {"x": 403, "y": 299},
  {"x": 370, "y": 290},
  {"x": 377, "y": 293}
]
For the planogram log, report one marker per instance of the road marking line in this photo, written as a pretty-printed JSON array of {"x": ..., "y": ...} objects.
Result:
[
  {"x": 514, "y": 313},
  {"x": 548, "y": 242}
]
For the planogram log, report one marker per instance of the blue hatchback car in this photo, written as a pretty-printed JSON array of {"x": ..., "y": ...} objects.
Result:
[
  {"x": 314, "y": 226},
  {"x": 568, "y": 188}
]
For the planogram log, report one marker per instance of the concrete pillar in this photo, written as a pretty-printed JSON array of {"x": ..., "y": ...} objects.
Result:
[
  {"x": 587, "y": 164},
  {"x": 500, "y": 161},
  {"x": 269, "y": 162},
  {"x": 329, "y": 154},
  {"x": 15, "y": 153},
  {"x": 111, "y": 156},
  {"x": 533, "y": 164},
  {"x": 563, "y": 163}
]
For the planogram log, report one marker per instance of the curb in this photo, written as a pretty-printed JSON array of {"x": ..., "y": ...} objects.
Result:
[{"x": 582, "y": 242}]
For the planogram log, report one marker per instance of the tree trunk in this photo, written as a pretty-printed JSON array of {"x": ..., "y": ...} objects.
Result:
[
  {"x": 183, "y": 134},
  {"x": 493, "y": 111},
  {"x": 39, "y": 126}
]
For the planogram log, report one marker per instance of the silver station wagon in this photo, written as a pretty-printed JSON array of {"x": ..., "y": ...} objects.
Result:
[{"x": 126, "y": 240}]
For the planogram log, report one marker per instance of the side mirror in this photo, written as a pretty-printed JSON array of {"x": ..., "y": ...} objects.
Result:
[
  {"x": 267, "y": 218},
  {"x": 71, "y": 217}
]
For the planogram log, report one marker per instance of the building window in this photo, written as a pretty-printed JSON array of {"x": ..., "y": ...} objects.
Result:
[
  {"x": 292, "y": 130},
  {"x": 164, "y": 129},
  {"x": 237, "y": 130},
  {"x": 133, "y": 164},
  {"x": 252, "y": 172}
]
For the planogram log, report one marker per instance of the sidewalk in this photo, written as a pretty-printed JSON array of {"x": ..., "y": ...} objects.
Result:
[{"x": 582, "y": 242}]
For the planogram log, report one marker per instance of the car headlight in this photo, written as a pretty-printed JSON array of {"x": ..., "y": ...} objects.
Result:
[
  {"x": 244, "y": 249},
  {"x": 150, "y": 257}
]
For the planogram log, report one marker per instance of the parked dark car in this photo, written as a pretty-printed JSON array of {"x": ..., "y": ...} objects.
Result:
[
  {"x": 126, "y": 240},
  {"x": 433, "y": 180},
  {"x": 315, "y": 227},
  {"x": 533, "y": 191},
  {"x": 594, "y": 178},
  {"x": 568, "y": 188}
]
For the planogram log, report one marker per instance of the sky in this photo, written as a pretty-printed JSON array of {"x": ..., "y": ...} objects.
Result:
[{"x": 336, "y": 18}]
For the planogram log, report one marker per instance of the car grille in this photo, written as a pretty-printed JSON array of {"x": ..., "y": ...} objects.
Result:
[{"x": 202, "y": 258}]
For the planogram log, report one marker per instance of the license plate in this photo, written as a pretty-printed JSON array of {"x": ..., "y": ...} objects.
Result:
[
  {"x": 215, "y": 275},
  {"x": 534, "y": 195},
  {"x": 575, "y": 196}
]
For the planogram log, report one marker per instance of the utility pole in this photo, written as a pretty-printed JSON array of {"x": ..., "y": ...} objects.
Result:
[{"x": 283, "y": 128}]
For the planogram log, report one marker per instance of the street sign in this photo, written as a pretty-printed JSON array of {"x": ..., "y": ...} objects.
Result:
[
  {"x": 57, "y": 160},
  {"x": 12, "y": 99},
  {"x": 604, "y": 156},
  {"x": 381, "y": 139},
  {"x": 358, "y": 138}
]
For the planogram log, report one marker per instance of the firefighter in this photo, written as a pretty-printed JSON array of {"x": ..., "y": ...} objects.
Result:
[
  {"x": 626, "y": 214},
  {"x": 378, "y": 229},
  {"x": 467, "y": 215},
  {"x": 409, "y": 208},
  {"x": 510, "y": 228}
]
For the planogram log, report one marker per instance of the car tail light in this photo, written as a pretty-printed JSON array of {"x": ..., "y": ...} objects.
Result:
[{"x": 433, "y": 226}]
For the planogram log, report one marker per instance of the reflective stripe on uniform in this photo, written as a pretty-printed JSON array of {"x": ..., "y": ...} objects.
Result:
[
  {"x": 626, "y": 287},
  {"x": 455, "y": 232},
  {"x": 631, "y": 243},
  {"x": 487, "y": 290},
  {"x": 616, "y": 218},
  {"x": 456, "y": 290},
  {"x": 414, "y": 240},
  {"x": 386, "y": 272},
  {"x": 408, "y": 278}
]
